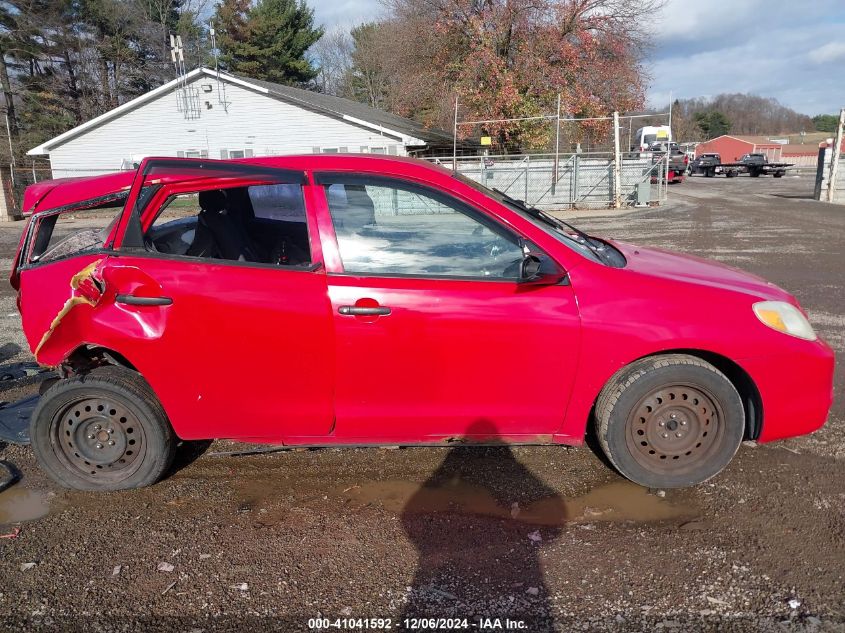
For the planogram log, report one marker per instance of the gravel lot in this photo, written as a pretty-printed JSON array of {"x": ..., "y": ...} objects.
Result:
[{"x": 268, "y": 541}]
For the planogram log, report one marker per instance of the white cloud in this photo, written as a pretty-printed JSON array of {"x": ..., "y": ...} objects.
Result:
[
  {"x": 753, "y": 47},
  {"x": 828, "y": 53},
  {"x": 346, "y": 13}
]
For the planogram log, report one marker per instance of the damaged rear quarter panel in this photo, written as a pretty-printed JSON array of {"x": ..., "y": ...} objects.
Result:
[
  {"x": 52, "y": 311},
  {"x": 86, "y": 307}
]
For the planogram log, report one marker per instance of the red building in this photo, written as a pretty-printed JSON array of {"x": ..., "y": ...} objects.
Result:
[{"x": 732, "y": 148}]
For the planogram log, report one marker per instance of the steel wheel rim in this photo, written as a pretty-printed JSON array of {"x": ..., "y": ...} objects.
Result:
[
  {"x": 99, "y": 439},
  {"x": 675, "y": 428}
]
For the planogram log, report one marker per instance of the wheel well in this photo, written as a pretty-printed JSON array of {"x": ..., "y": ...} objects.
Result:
[
  {"x": 742, "y": 382},
  {"x": 85, "y": 358}
]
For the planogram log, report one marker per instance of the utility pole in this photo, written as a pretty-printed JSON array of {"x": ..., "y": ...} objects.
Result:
[
  {"x": 617, "y": 164},
  {"x": 11, "y": 149},
  {"x": 834, "y": 160}
]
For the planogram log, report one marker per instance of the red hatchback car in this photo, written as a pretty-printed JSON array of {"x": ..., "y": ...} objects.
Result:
[{"x": 354, "y": 300}]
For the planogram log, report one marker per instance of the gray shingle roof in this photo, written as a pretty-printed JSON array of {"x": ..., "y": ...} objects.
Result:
[{"x": 338, "y": 106}]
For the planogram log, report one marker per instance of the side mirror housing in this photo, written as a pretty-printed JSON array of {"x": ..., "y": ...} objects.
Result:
[{"x": 540, "y": 270}]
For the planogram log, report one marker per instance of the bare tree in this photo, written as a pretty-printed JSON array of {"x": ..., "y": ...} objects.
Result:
[{"x": 334, "y": 55}]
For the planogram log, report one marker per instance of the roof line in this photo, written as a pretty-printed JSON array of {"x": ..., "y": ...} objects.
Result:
[{"x": 46, "y": 146}]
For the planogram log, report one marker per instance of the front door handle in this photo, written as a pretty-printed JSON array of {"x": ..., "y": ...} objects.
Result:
[
  {"x": 364, "y": 310},
  {"x": 132, "y": 300}
]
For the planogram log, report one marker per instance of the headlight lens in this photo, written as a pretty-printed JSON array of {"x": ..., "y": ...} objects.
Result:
[{"x": 784, "y": 317}]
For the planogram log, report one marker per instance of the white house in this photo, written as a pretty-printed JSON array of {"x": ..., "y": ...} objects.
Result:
[{"x": 215, "y": 115}]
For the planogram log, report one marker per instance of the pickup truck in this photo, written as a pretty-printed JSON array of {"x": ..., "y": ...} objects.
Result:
[
  {"x": 754, "y": 165},
  {"x": 758, "y": 164},
  {"x": 707, "y": 164},
  {"x": 678, "y": 160}
]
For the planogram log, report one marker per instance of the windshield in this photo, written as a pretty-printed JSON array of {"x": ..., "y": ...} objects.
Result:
[{"x": 567, "y": 235}]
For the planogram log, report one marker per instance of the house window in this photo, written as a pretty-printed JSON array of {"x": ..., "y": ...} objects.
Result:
[
  {"x": 378, "y": 150},
  {"x": 235, "y": 153},
  {"x": 192, "y": 153}
]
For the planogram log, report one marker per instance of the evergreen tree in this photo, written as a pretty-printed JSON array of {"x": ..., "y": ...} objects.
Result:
[
  {"x": 826, "y": 122},
  {"x": 269, "y": 40},
  {"x": 712, "y": 123}
]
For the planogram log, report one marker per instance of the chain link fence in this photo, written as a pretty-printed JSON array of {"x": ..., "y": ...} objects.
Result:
[
  {"x": 589, "y": 162},
  {"x": 585, "y": 180}
]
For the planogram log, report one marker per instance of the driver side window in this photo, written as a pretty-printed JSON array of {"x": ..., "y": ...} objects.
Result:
[{"x": 387, "y": 228}]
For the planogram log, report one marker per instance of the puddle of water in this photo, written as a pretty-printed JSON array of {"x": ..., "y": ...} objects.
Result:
[
  {"x": 617, "y": 501},
  {"x": 19, "y": 504}
]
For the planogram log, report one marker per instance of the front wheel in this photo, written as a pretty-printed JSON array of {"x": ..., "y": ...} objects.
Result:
[
  {"x": 104, "y": 430},
  {"x": 670, "y": 421}
]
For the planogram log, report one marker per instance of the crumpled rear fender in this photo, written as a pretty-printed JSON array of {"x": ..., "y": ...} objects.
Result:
[{"x": 90, "y": 313}]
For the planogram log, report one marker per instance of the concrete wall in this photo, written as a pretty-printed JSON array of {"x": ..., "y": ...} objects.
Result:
[
  {"x": 822, "y": 174},
  {"x": 251, "y": 121}
]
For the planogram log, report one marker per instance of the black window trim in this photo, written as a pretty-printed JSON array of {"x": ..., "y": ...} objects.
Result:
[
  {"x": 326, "y": 178},
  {"x": 143, "y": 252},
  {"x": 133, "y": 236}
]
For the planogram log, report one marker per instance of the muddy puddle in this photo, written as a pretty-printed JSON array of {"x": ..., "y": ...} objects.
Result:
[
  {"x": 19, "y": 504},
  {"x": 617, "y": 501}
]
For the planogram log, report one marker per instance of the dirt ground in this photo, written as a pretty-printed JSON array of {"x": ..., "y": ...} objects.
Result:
[{"x": 267, "y": 542}]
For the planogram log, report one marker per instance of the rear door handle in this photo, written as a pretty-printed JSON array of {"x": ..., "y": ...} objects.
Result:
[
  {"x": 132, "y": 300},
  {"x": 364, "y": 310}
]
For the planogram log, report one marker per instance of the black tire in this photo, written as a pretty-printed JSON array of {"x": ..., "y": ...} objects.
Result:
[
  {"x": 669, "y": 421},
  {"x": 104, "y": 430}
]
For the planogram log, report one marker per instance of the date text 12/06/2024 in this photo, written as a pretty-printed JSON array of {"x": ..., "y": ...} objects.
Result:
[{"x": 418, "y": 624}]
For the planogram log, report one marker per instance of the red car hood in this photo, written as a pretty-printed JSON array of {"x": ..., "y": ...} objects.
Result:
[{"x": 665, "y": 264}]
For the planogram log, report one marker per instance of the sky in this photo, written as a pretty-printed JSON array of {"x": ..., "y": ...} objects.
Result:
[{"x": 792, "y": 50}]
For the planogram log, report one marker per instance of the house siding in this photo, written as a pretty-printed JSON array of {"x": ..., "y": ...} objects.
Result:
[{"x": 252, "y": 121}]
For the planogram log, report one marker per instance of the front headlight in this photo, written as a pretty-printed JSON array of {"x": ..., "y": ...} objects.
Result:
[{"x": 784, "y": 317}]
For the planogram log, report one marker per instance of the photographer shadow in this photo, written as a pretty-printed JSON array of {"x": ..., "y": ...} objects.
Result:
[{"x": 478, "y": 524}]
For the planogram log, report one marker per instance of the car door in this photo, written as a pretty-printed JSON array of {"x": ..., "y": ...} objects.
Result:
[
  {"x": 232, "y": 347},
  {"x": 435, "y": 337}
]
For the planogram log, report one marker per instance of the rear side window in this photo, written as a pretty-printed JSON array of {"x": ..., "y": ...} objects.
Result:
[
  {"x": 262, "y": 224},
  {"x": 277, "y": 202},
  {"x": 74, "y": 230}
]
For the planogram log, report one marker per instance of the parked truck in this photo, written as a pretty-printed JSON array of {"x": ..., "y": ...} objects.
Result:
[
  {"x": 678, "y": 161},
  {"x": 755, "y": 165}
]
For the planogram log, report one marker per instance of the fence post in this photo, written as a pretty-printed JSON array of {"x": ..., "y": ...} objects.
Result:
[
  {"x": 455, "y": 139},
  {"x": 834, "y": 161},
  {"x": 617, "y": 164},
  {"x": 527, "y": 168},
  {"x": 557, "y": 147},
  {"x": 576, "y": 177},
  {"x": 8, "y": 208}
]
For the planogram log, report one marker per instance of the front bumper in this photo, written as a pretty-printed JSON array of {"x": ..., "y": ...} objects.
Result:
[{"x": 796, "y": 390}]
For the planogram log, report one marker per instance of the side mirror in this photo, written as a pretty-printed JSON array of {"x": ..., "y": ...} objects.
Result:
[{"x": 540, "y": 270}]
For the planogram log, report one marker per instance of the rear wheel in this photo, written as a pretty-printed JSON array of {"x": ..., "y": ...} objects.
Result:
[
  {"x": 670, "y": 421},
  {"x": 104, "y": 430}
]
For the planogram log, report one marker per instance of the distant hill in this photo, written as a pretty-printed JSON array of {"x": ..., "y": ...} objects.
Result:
[{"x": 745, "y": 114}]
